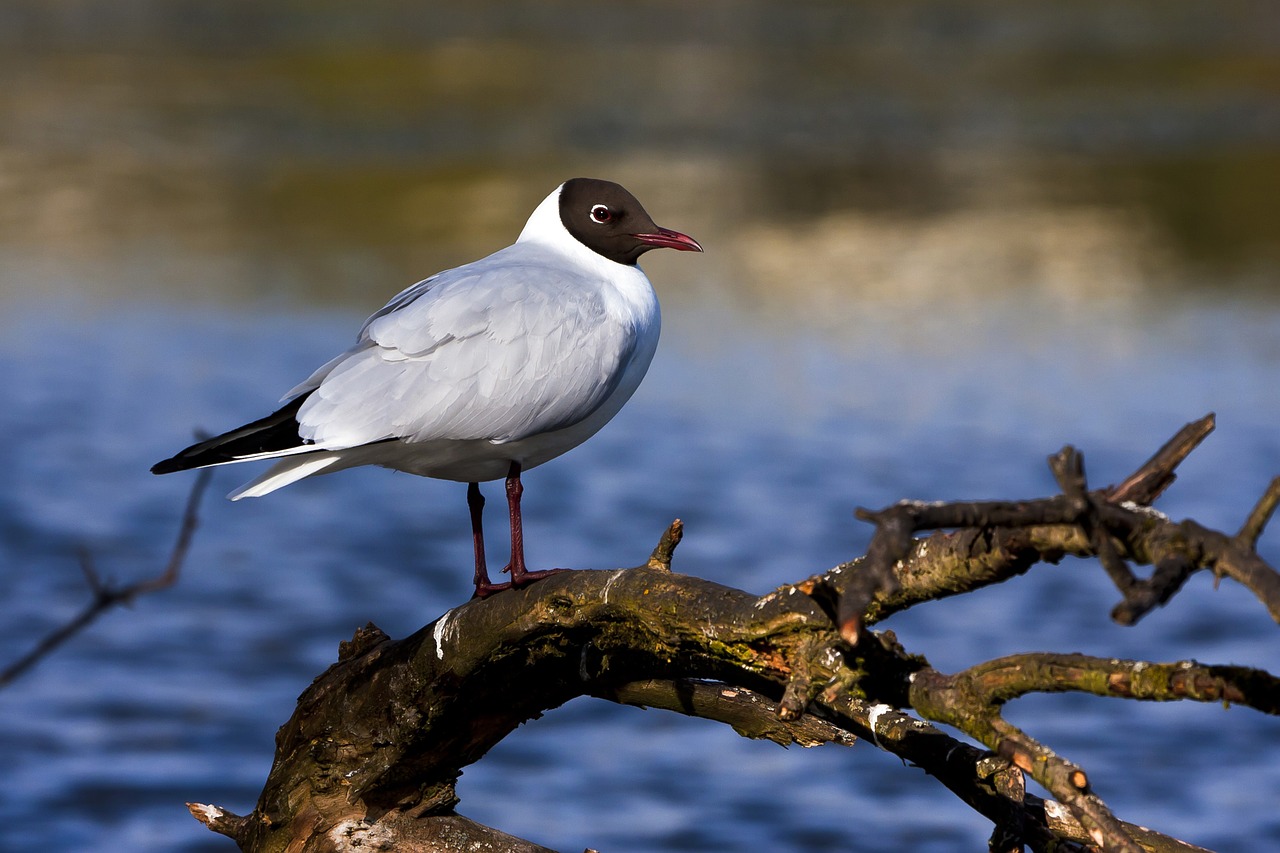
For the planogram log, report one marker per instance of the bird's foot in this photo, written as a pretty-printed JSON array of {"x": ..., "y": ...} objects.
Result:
[
  {"x": 519, "y": 580},
  {"x": 484, "y": 590}
]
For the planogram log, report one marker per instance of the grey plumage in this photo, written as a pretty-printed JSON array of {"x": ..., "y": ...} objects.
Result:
[{"x": 482, "y": 371}]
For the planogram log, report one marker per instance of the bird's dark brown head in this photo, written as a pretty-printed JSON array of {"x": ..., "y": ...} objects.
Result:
[{"x": 609, "y": 221}]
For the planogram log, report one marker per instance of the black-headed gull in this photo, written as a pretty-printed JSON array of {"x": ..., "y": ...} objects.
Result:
[{"x": 482, "y": 371}]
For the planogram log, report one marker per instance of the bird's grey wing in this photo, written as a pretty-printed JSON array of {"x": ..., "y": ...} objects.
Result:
[
  {"x": 496, "y": 351},
  {"x": 410, "y": 294},
  {"x": 404, "y": 297}
]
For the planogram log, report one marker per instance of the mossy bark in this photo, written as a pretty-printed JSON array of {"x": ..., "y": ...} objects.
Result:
[{"x": 373, "y": 750}]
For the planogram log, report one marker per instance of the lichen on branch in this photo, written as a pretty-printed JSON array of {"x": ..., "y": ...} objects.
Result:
[{"x": 377, "y": 742}]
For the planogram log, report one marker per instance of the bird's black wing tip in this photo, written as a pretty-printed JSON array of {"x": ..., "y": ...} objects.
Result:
[
  {"x": 276, "y": 432},
  {"x": 169, "y": 466}
]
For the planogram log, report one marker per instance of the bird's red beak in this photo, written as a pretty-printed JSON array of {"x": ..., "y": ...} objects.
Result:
[{"x": 665, "y": 238}]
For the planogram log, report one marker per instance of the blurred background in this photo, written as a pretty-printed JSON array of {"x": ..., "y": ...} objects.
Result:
[{"x": 942, "y": 240}]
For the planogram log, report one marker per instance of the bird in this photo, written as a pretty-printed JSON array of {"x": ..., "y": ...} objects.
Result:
[{"x": 480, "y": 372}]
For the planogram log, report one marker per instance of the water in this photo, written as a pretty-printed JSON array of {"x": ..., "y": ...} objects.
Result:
[
  {"x": 762, "y": 441},
  {"x": 942, "y": 242}
]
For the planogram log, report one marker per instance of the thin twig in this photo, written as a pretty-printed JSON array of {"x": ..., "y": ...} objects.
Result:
[
  {"x": 1157, "y": 473},
  {"x": 1115, "y": 523},
  {"x": 106, "y": 596},
  {"x": 1257, "y": 520}
]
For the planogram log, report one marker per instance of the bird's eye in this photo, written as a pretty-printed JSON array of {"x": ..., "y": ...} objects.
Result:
[{"x": 601, "y": 214}]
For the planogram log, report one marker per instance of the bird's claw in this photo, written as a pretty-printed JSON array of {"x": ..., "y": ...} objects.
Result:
[{"x": 519, "y": 580}]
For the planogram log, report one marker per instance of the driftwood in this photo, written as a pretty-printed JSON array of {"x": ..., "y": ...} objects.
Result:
[{"x": 370, "y": 757}]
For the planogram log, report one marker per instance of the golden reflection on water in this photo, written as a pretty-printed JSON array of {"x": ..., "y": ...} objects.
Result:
[{"x": 905, "y": 154}]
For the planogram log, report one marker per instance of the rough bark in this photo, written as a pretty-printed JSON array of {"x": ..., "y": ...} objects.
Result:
[{"x": 377, "y": 742}]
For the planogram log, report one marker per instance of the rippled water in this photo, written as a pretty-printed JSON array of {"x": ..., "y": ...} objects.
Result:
[
  {"x": 761, "y": 440},
  {"x": 942, "y": 241}
]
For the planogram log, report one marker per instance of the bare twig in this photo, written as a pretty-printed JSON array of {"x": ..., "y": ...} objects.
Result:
[
  {"x": 1068, "y": 469},
  {"x": 997, "y": 539},
  {"x": 106, "y": 596},
  {"x": 1262, "y": 512},
  {"x": 971, "y": 701},
  {"x": 1157, "y": 473}
]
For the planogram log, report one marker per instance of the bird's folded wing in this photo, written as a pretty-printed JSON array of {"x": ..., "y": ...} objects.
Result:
[{"x": 500, "y": 353}]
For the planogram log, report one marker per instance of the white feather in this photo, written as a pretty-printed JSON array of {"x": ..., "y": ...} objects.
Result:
[
  {"x": 284, "y": 472},
  {"x": 521, "y": 356}
]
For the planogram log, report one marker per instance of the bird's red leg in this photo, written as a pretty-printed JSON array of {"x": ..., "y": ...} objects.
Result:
[
  {"x": 519, "y": 575},
  {"x": 475, "y": 503},
  {"x": 514, "y": 491}
]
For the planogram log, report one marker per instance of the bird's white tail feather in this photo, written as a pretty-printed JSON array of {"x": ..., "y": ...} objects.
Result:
[{"x": 284, "y": 472}]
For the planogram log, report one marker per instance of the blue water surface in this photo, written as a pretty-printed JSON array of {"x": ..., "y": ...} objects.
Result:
[{"x": 762, "y": 439}]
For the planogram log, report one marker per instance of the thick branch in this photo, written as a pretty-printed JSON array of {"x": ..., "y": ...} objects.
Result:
[
  {"x": 377, "y": 742},
  {"x": 439, "y": 833},
  {"x": 749, "y": 713},
  {"x": 388, "y": 728}
]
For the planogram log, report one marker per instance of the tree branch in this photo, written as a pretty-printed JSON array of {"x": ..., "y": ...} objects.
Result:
[
  {"x": 997, "y": 540},
  {"x": 749, "y": 713},
  {"x": 377, "y": 742},
  {"x": 106, "y": 596},
  {"x": 971, "y": 701},
  {"x": 1144, "y": 485}
]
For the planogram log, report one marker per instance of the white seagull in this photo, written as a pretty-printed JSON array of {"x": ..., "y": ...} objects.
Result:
[{"x": 482, "y": 371}]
